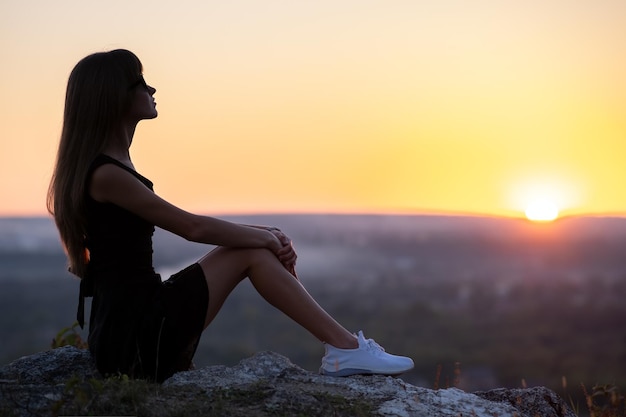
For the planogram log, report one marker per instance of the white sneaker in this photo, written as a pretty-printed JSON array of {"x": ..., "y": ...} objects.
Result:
[{"x": 368, "y": 359}]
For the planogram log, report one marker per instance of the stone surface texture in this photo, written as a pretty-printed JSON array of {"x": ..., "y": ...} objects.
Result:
[{"x": 266, "y": 384}]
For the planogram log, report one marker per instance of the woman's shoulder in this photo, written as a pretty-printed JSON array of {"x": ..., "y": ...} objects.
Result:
[
  {"x": 103, "y": 159},
  {"x": 108, "y": 180},
  {"x": 103, "y": 166}
]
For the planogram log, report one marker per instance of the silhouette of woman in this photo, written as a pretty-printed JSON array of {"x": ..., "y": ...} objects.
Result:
[{"x": 106, "y": 212}]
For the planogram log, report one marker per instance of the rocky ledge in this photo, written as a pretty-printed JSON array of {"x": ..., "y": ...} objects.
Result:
[{"x": 64, "y": 381}]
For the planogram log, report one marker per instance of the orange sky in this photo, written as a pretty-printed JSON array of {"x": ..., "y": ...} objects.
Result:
[{"x": 350, "y": 106}]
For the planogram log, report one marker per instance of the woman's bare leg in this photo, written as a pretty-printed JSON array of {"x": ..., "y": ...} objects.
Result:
[{"x": 224, "y": 268}]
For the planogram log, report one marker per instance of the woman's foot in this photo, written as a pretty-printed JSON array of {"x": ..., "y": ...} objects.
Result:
[{"x": 368, "y": 359}]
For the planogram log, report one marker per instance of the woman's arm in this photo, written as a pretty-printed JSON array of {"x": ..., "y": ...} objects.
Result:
[
  {"x": 288, "y": 256},
  {"x": 272, "y": 229},
  {"x": 112, "y": 184}
]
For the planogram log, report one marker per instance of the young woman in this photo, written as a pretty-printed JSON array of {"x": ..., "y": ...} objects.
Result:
[{"x": 106, "y": 213}]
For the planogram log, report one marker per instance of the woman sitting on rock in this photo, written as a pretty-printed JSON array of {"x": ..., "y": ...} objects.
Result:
[{"x": 106, "y": 213}]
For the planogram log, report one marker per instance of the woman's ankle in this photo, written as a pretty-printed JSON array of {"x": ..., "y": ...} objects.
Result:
[{"x": 345, "y": 342}]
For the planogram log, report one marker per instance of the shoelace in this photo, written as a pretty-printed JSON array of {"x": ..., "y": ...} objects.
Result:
[{"x": 372, "y": 346}]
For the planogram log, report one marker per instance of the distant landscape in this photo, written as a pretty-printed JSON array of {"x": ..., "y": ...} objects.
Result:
[{"x": 478, "y": 302}]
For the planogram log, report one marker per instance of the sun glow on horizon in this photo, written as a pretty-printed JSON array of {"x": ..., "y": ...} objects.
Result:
[
  {"x": 542, "y": 211},
  {"x": 546, "y": 196}
]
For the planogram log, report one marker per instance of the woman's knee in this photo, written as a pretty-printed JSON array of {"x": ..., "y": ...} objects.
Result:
[
  {"x": 245, "y": 253},
  {"x": 260, "y": 255},
  {"x": 235, "y": 258}
]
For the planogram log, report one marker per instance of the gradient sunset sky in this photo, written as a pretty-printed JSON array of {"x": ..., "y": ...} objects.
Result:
[{"x": 346, "y": 106}]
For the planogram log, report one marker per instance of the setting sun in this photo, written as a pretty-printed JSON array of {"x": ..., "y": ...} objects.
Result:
[{"x": 542, "y": 211}]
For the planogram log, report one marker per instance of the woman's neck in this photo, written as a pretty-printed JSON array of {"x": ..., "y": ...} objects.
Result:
[{"x": 118, "y": 148}]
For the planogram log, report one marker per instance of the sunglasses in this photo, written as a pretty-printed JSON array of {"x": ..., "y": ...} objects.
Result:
[{"x": 141, "y": 82}]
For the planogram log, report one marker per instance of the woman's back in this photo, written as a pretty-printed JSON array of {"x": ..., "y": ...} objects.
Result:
[{"x": 118, "y": 241}]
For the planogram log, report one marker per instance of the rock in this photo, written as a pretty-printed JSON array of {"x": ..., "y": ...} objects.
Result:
[
  {"x": 31, "y": 385},
  {"x": 50, "y": 367},
  {"x": 538, "y": 401},
  {"x": 64, "y": 380}
]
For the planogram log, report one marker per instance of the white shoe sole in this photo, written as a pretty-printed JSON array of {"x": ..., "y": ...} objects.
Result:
[{"x": 354, "y": 371}]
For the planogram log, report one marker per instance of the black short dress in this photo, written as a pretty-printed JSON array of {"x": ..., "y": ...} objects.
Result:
[{"x": 139, "y": 326}]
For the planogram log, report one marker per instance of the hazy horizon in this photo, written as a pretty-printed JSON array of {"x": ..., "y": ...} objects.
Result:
[
  {"x": 412, "y": 213},
  {"x": 508, "y": 299}
]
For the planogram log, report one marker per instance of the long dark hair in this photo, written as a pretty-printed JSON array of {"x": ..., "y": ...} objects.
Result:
[{"x": 96, "y": 100}]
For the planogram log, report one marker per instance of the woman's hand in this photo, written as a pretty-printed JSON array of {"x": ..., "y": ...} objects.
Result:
[{"x": 287, "y": 254}]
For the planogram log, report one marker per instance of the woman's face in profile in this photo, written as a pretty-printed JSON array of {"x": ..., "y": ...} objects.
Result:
[{"x": 142, "y": 105}]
